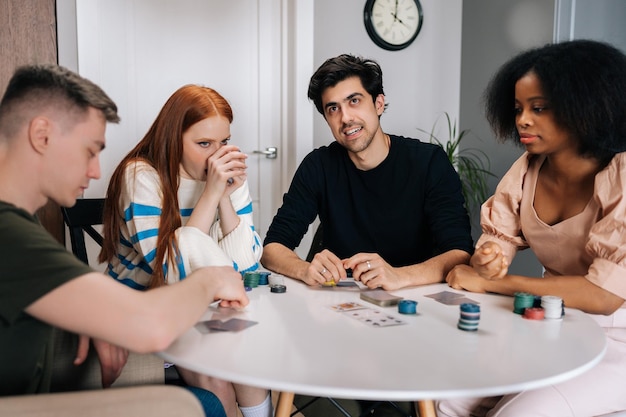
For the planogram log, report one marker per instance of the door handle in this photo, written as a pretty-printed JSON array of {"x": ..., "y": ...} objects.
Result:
[{"x": 270, "y": 153}]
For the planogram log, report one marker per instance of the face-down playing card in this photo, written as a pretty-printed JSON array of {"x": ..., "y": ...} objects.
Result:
[
  {"x": 232, "y": 325},
  {"x": 450, "y": 298}
]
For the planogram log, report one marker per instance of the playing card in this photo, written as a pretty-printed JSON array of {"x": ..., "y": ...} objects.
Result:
[
  {"x": 236, "y": 325},
  {"x": 349, "y": 306},
  {"x": 450, "y": 298},
  {"x": 459, "y": 300},
  {"x": 232, "y": 325},
  {"x": 375, "y": 318}
]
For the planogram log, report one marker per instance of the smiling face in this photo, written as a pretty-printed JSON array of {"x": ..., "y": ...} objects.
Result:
[
  {"x": 73, "y": 157},
  {"x": 201, "y": 141},
  {"x": 535, "y": 120},
  {"x": 352, "y": 115}
]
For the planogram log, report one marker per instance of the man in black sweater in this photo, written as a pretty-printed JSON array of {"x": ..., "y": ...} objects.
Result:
[{"x": 391, "y": 208}]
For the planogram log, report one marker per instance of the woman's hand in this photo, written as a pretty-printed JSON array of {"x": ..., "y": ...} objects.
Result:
[
  {"x": 226, "y": 171},
  {"x": 464, "y": 277},
  {"x": 489, "y": 261}
]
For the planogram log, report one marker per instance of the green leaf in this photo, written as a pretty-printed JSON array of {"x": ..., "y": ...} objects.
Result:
[{"x": 471, "y": 164}]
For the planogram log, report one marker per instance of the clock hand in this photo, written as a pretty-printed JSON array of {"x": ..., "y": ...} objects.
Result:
[{"x": 400, "y": 20}]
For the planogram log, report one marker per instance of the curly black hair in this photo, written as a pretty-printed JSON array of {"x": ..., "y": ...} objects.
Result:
[
  {"x": 585, "y": 83},
  {"x": 339, "y": 68}
]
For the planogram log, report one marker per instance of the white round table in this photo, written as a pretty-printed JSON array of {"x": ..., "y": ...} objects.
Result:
[{"x": 302, "y": 345}]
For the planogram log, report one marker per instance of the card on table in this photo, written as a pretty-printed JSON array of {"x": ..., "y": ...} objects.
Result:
[
  {"x": 347, "y": 306},
  {"x": 450, "y": 298},
  {"x": 232, "y": 325},
  {"x": 348, "y": 284},
  {"x": 375, "y": 318}
]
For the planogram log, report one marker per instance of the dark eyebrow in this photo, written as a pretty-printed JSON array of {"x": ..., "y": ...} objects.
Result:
[{"x": 350, "y": 97}]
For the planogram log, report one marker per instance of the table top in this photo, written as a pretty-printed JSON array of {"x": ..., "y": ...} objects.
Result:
[{"x": 300, "y": 344}]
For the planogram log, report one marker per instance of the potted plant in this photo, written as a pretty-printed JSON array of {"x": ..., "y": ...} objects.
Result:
[{"x": 471, "y": 164}]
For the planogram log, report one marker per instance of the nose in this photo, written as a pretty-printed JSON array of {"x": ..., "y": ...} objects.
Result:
[
  {"x": 93, "y": 170},
  {"x": 346, "y": 115},
  {"x": 523, "y": 118}
]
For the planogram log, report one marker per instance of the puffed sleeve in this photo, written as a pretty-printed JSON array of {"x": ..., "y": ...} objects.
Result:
[
  {"x": 243, "y": 243},
  {"x": 607, "y": 238},
  {"x": 500, "y": 214}
]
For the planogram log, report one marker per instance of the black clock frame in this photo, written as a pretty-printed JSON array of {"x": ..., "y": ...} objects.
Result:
[{"x": 371, "y": 31}]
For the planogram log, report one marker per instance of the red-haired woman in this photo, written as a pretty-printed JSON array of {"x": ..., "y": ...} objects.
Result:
[{"x": 178, "y": 201}]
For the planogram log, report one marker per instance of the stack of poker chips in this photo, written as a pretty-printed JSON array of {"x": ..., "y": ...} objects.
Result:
[
  {"x": 523, "y": 300},
  {"x": 470, "y": 315},
  {"x": 251, "y": 279},
  {"x": 264, "y": 278},
  {"x": 552, "y": 306}
]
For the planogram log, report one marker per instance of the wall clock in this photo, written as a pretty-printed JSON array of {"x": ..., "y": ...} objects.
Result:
[{"x": 393, "y": 24}]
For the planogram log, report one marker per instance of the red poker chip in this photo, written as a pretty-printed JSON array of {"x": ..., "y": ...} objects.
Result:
[{"x": 534, "y": 313}]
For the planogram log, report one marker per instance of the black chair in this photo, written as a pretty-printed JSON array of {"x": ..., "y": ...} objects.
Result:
[{"x": 80, "y": 219}]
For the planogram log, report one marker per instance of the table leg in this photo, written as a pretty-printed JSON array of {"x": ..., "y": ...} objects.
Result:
[
  {"x": 425, "y": 408},
  {"x": 284, "y": 404}
]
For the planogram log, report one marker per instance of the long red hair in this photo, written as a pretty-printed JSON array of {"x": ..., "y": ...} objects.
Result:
[{"x": 162, "y": 148}]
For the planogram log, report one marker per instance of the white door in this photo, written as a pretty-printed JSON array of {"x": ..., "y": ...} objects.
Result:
[{"x": 141, "y": 51}]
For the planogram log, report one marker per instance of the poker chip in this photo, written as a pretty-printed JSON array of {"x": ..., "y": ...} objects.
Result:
[
  {"x": 522, "y": 301},
  {"x": 278, "y": 288},
  {"x": 251, "y": 279},
  {"x": 534, "y": 313},
  {"x": 407, "y": 307},
  {"x": 467, "y": 327},
  {"x": 264, "y": 277},
  {"x": 469, "y": 316},
  {"x": 248, "y": 288},
  {"x": 553, "y": 307}
]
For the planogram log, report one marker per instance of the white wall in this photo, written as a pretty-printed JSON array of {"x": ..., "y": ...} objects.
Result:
[{"x": 420, "y": 82}]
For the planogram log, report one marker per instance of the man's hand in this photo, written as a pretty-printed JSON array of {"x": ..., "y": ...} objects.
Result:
[
  {"x": 325, "y": 267},
  {"x": 489, "y": 261},
  {"x": 464, "y": 277},
  {"x": 112, "y": 358},
  {"x": 374, "y": 272},
  {"x": 226, "y": 285}
]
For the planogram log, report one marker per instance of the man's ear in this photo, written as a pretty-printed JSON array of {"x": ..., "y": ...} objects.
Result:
[
  {"x": 38, "y": 132},
  {"x": 380, "y": 104}
]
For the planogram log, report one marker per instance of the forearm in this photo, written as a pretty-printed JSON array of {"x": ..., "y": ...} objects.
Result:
[
  {"x": 204, "y": 212},
  {"x": 435, "y": 269},
  {"x": 576, "y": 291},
  {"x": 282, "y": 260},
  {"x": 140, "y": 321},
  {"x": 229, "y": 219}
]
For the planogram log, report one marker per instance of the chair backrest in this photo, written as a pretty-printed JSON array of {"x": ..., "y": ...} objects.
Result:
[{"x": 81, "y": 218}]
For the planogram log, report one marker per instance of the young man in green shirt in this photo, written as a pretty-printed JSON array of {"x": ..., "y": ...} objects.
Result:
[{"x": 52, "y": 130}]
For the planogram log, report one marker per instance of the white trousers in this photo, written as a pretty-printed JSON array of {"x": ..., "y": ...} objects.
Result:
[{"x": 599, "y": 391}]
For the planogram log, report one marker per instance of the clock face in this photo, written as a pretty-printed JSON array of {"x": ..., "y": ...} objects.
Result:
[{"x": 393, "y": 24}]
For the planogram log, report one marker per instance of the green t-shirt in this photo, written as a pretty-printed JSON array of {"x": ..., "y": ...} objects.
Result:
[{"x": 32, "y": 264}]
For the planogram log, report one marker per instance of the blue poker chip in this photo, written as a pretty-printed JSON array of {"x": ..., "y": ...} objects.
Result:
[
  {"x": 407, "y": 307},
  {"x": 470, "y": 308},
  {"x": 264, "y": 278},
  {"x": 248, "y": 288}
]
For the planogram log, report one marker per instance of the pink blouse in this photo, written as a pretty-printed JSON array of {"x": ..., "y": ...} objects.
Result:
[{"x": 591, "y": 244}]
